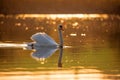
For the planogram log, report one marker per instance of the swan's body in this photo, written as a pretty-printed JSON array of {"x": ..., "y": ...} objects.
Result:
[{"x": 43, "y": 40}]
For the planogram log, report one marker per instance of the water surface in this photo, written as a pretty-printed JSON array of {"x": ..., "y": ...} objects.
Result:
[{"x": 92, "y": 47}]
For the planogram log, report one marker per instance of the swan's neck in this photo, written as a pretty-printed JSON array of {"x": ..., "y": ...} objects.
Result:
[{"x": 61, "y": 38}]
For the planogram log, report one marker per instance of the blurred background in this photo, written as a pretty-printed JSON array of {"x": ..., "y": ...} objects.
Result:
[
  {"x": 59, "y": 6},
  {"x": 91, "y": 29}
]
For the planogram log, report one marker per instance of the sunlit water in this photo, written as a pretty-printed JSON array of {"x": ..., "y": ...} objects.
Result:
[{"x": 91, "y": 47}]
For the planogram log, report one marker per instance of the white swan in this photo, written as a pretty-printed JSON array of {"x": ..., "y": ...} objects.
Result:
[{"x": 43, "y": 40}]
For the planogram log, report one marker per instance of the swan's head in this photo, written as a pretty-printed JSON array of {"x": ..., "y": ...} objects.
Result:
[{"x": 60, "y": 27}]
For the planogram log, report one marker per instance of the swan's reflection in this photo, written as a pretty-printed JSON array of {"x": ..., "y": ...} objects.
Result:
[
  {"x": 44, "y": 52},
  {"x": 60, "y": 57}
]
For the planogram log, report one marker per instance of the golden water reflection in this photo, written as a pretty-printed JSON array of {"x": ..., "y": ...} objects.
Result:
[
  {"x": 94, "y": 40},
  {"x": 54, "y": 16},
  {"x": 12, "y": 45},
  {"x": 73, "y": 74}
]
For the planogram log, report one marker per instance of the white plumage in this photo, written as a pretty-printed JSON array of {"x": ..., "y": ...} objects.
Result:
[{"x": 42, "y": 39}]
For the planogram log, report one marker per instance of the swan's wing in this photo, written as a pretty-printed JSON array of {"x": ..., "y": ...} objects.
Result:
[
  {"x": 43, "y": 39},
  {"x": 50, "y": 39}
]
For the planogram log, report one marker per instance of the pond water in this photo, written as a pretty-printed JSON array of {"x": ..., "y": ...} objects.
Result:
[{"x": 91, "y": 47}]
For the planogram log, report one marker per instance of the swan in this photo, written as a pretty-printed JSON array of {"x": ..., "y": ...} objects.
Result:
[{"x": 43, "y": 40}]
